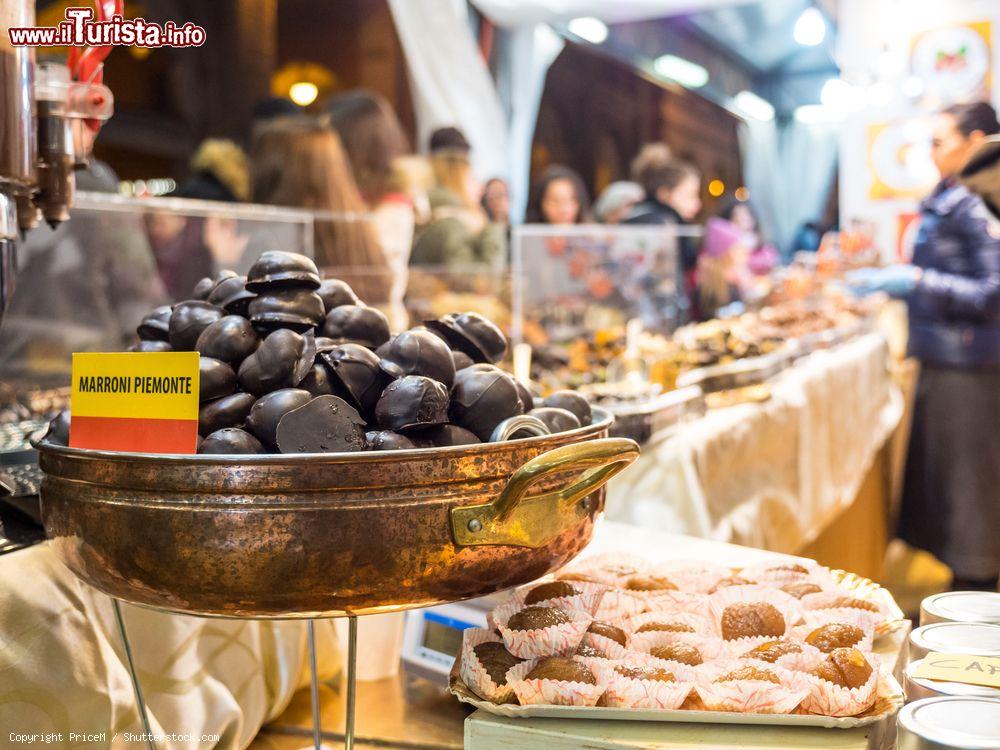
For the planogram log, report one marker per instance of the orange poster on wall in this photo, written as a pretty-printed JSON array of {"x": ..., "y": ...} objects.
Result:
[
  {"x": 899, "y": 159},
  {"x": 954, "y": 62}
]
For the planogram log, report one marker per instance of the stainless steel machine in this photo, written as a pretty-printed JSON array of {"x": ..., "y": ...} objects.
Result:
[{"x": 48, "y": 113}]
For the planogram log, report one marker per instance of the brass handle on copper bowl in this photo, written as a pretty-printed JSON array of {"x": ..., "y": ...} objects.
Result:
[{"x": 522, "y": 521}]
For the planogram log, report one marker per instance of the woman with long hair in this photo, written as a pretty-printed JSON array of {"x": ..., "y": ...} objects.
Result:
[
  {"x": 559, "y": 197},
  {"x": 299, "y": 162}
]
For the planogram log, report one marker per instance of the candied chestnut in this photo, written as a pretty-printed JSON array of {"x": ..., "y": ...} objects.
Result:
[
  {"x": 156, "y": 325},
  {"x": 275, "y": 269},
  {"x": 227, "y": 411},
  {"x": 573, "y": 402},
  {"x": 798, "y": 589},
  {"x": 298, "y": 309},
  {"x": 846, "y": 667},
  {"x": 216, "y": 378},
  {"x": 731, "y": 581},
  {"x": 58, "y": 429},
  {"x": 850, "y": 602},
  {"x": 282, "y": 360},
  {"x": 607, "y": 630},
  {"x": 268, "y": 410},
  {"x": 367, "y": 326},
  {"x": 326, "y": 424},
  {"x": 536, "y": 618},
  {"x": 151, "y": 346},
  {"x": 654, "y": 674},
  {"x": 681, "y": 652},
  {"x": 771, "y": 651},
  {"x": 231, "y": 440},
  {"x": 188, "y": 320},
  {"x": 750, "y": 620},
  {"x": 473, "y": 334},
  {"x": 335, "y": 293},
  {"x": 232, "y": 295},
  {"x": 449, "y": 434},
  {"x": 557, "y": 420},
  {"x": 386, "y": 440},
  {"x": 318, "y": 381},
  {"x": 665, "y": 627},
  {"x": 230, "y": 339},
  {"x": 750, "y": 673},
  {"x": 482, "y": 398},
  {"x": 650, "y": 583},
  {"x": 412, "y": 402},
  {"x": 496, "y": 660},
  {"x": 835, "y": 635},
  {"x": 418, "y": 353},
  {"x": 562, "y": 669},
  {"x": 550, "y": 590},
  {"x": 357, "y": 370}
]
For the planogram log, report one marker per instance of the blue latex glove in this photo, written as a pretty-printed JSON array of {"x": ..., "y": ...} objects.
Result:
[{"x": 897, "y": 281}]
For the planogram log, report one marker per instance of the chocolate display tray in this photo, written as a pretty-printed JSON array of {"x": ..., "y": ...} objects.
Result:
[{"x": 888, "y": 702}]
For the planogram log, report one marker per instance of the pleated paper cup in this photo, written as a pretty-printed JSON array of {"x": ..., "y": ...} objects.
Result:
[
  {"x": 786, "y": 604},
  {"x": 829, "y": 600},
  {"x": 555, "y": 640},
  {"x": 750, "y": 696},
  {"x": 710, "y": 648},
  {"x": 552, "y": 692},
  {"x": 691, "y": 575},
  {"x": 861, "y": 618},
  {"x": 699, "y": 625},
  {"x": 777, "y": 573},
  {"x": 616, "y": 604},
  {"x": 473, "y": 672},
  {"x": 678, "y": 601},
  {"x": 588, "y": 599},
  {"x": 632, "y": 692},
  {"x": 803, "y": 661},
  {"x": 612, "y": 567},
  {"x": 609, "y": 648},
  {"x": 830, "y": 699}
]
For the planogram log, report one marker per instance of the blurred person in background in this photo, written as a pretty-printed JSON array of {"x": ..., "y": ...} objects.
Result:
[
  {"x": 616, "y": 201},
  {"x": 374, "y": 140},
  {"x": 220, "y": 171},
  {"x": 459, "y": 233},
  {"x": 723, "y": 275},
  {"x": 952, "y": 288},
  {"x": 559, "y": 197},
  {"x": 672, "y": 196},
  {"x": 299, "y": 162},
  {"x": 496, "y": 201},
  {"x": 762, "y": 257}
]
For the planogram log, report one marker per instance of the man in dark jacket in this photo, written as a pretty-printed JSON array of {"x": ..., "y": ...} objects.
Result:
[
  {"x": 950, "y": 496},
  {"x": 672, "y": 196}
]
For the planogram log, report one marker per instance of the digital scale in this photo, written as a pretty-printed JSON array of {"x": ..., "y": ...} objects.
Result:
[{"x": 432, "y": 637}]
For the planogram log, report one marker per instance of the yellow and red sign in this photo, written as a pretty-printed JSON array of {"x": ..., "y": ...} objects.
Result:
[{"x": 145, "y": 402}]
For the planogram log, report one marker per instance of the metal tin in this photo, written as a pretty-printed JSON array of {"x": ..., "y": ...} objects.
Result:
[
  {"x": 959, "y": 723},
  {"x": 328, "y": 533},
  {"x": 973, "y": 638},
  {"x": 917, "y": 687},
  {"x": 961, "y": 606}
]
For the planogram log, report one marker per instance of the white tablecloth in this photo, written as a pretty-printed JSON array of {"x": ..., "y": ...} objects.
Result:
[{"x": 770, "y": 475}]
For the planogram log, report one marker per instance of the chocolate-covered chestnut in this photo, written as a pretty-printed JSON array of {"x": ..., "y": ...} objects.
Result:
[
  {"x": 188, "y": 320},
  {"x": 367, "y": 326},
  {"x": 204, "y": 288},
  {"x": 412, "y": 402},
  {"x": 357, "y": 370},
  {"x": 418, "y": 353},
  {"x": 573, "y": 402},
  {"x": 58, "y": 429},
  {"x": 299, "y": 309},
  {"x": 325, "y": 343},
  {"x": 460, "y": 359},
  {"x": 482, "y": 397},
  {"x": 326, "y": 424},
  {"x": 232, "y": 295},
  {"x": 335, "y": 293},
  {"x": 231, "y": 339},
  {"x": 449, "y": 434},
  {"x": 156, "y": 325},
  {"x": 317, "y": 381},
  {"x": 217, "y": 379},
  {"x": 473, "y": 334},
  {"x": 228, "y": 411},
  {"x": 230, "y": 441},
  {"x": 275, "y": 269},
  {"x": 282, "y": 360},
  {"x": 527, "y": 399},
  {"x": 557, "y": 420},
  {"x": 387, "y": 440},
  {"x": 268, "y": 410},
  {"x": 151, "y": 346}
]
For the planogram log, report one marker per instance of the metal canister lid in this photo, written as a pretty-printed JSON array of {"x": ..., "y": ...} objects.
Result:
[
  {"x": 961, "y": 606},
  {"x": 917, "y": 688},
  {"x": 964, "y": 723},
  {"x": 973, "y": 638}
]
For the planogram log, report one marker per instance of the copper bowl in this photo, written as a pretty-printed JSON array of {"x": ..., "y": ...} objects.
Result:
[{"x": 326, "y": 534}]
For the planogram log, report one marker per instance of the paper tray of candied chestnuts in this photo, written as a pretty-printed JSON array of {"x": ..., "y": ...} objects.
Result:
[{"x": 619, "y": 638}]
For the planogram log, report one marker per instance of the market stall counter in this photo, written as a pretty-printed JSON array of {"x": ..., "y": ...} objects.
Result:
[{"x": 771, "y": 474}]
